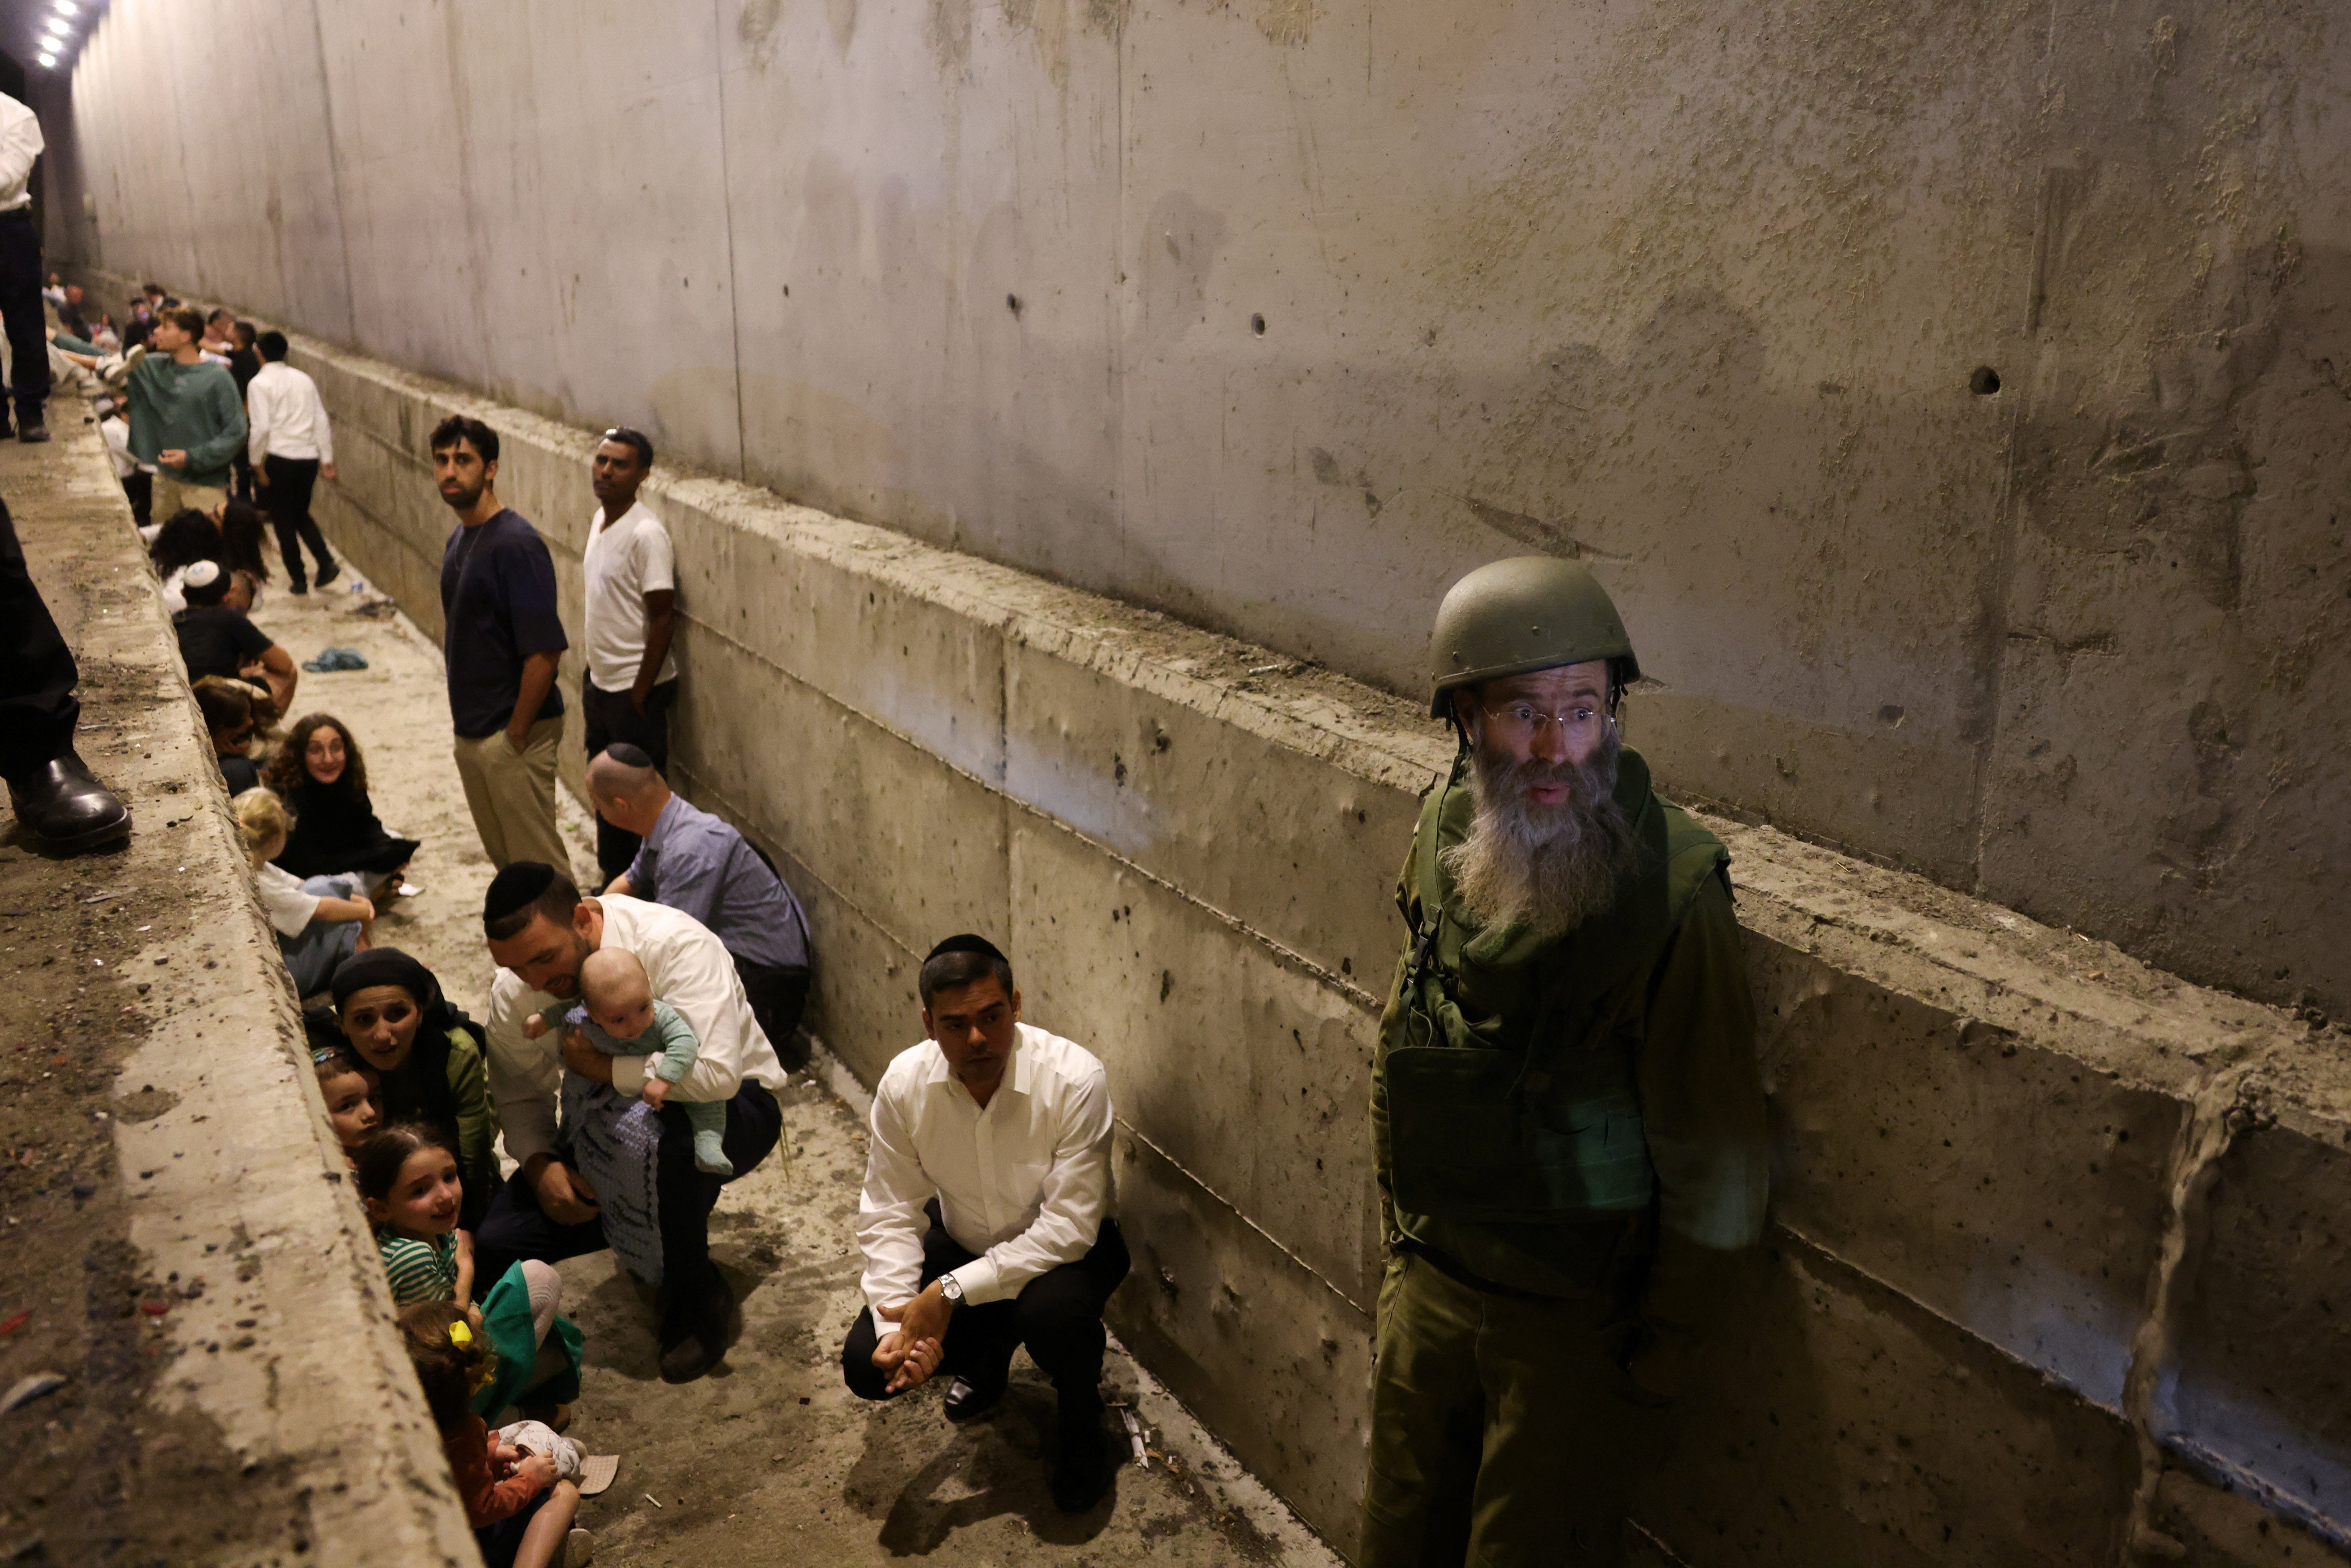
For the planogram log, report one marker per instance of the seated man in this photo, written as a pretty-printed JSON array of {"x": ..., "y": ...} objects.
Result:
[
  {"x": 986, "y": 1215},
  {"x": 215, "y": 638},
  {"x": 694, "y": 861},
  {"x": 540, "y": 931}
]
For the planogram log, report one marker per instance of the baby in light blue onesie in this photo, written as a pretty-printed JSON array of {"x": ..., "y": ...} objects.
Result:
[{"x": 618, "y": 1013}]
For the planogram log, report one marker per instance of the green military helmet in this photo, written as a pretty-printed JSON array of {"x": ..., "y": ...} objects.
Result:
[{"x": 1529, "y": 613}]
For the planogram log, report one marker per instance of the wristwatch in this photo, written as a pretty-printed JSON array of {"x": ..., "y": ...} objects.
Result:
[{"x": 952, "y": 1288}]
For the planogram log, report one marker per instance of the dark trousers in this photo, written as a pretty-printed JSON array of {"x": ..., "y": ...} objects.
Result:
[
  {"x": 693, "y": 1294},
  {"x": 20, "y": 309},
  {"x": 139, "y": 488},
  {"x": 777, "y": 998},
  {"x": 1058, "y": 1316},
  {"x": 287, "y": 498},
  {"x": 38, "y": 706},
  {"x": 610, "y": 718}
]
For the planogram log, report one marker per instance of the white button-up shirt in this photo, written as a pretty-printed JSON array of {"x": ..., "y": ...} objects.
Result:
[
  {"x": 690, "y": 970},
  {"x": 20, "y": 143},
  {"x": 285, "y": 416},
  {"x": 1024, "y": 1183}
]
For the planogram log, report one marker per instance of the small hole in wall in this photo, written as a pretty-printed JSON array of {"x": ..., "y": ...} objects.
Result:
[
  {"x": 1985, "y": 381},
  {"x": 1257, "y": 325},
  {"x": 1012, "y": 303}
]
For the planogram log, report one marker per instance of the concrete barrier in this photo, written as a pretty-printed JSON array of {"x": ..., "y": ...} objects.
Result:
[
  {"x": 2051, "y": 1267},
  {"x": 258, "y": 1405}
]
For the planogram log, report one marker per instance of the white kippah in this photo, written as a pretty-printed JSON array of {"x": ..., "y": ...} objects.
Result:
[{"x": 201, "y": 574}]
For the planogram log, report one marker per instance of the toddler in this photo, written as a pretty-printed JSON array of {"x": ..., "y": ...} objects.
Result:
[
  {"x": 618, "y": 1013},
  {"x": 319, "y": 923},
  {"x": 521, "y": 1512},
  {"x": 349, "y": 1088}
]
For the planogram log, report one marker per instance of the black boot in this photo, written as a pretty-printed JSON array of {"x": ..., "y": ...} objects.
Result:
[
  {"x": 693, "y": 1334},
  {"x": 67, "y": 809},
  {"x": 1082, "y": 1467}
]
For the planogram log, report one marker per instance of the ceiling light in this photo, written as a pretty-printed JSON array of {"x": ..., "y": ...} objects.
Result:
[
  {"x": 57, "y": 28},
  {"x": 67, "y": 7},
  {"x": 48, "y": 62}
]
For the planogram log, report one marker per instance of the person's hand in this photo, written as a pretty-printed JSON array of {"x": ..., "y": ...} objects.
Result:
[
  {"x": 261, "y": 477},
  {"x": 564, "y": 1195},
  {"x": 326, "y": 470},
  {"x": 535, "y": 1026},
  {"x": 537, "y": 1469},
  {"x": 517, "y": 741},
  {"x": 637, "y": 698},
  {"x": 473, "y": 1318},
  {"x": 367, "y": 907},
  {"x": 656, "y": 1089},
  {"x": 584, "y": 1058},
  {"x": 922, "y": 1320},
  {"x": 173, "y": 457},
  {"x": 909, "y": 1361}
]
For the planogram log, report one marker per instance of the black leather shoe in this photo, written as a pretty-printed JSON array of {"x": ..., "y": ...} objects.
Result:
[
  {"x": 704, "y": 1342},
  {"x": 1082, "y": 1463},
  {"x": 67, "y": 809},
  {"x": 32, "y": 432},
  {"x": 968, "y": 1401},
  {"x": 687, "y": 1361},
  {"x": 329, "y": 572}
]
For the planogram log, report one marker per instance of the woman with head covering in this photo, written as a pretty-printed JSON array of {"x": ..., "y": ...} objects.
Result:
[
  {"x": 322, "y": 778},
  {"x": 431, "y": 1057}
]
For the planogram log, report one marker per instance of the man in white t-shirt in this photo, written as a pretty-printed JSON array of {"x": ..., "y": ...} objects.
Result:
[{"x": 630, "y": 683}]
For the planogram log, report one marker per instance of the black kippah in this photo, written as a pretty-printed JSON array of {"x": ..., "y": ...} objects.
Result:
[
  {"x": 967, "y": 942},
  {"x": 516, "y": 886},
  {"x": 627, "y": 756}
]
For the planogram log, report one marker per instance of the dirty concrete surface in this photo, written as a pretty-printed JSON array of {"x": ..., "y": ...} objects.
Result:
[{"x": 770, "y": 1458}]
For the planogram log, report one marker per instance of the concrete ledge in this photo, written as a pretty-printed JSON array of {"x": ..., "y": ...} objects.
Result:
[
  {"x": 277, "y": 1420},
  {"x": 2005, "y": 1156}
]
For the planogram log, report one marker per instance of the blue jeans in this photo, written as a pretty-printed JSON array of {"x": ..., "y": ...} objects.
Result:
[{"x": 313, "y": 956}]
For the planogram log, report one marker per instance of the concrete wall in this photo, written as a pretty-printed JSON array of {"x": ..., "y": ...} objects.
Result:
[
  {"x": 1278, "y": 315},
  {"x": 1980, "y": 1123}
]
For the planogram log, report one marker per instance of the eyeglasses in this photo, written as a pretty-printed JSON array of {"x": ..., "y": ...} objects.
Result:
[{"x": 1523, "y": 721}]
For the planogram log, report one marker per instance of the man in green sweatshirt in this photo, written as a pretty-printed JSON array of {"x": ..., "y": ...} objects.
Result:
[
  {"x": 186, "y": 417},
  {"x": 1567, "y": 1117}
]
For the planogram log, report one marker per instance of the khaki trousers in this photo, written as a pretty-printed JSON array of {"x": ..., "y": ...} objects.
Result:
[
  {"x": 1504, "y": 1434},
  {"x": 174, "y": 494},
  {"x": 512, "y": 795}
]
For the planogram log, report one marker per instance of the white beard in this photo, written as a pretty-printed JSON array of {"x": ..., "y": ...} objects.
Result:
[{"x": 1548, "y": 868}]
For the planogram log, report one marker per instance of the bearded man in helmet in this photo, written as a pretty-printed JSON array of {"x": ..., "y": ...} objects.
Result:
[{"x": 1565, "y": 1104}]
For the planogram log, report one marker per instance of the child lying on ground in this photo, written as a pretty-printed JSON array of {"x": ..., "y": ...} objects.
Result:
[
  {"x": 618, "y": 1013},
  {"x": 348, "y": 1087},
  {"x": 408, "y": 1182},
  {"x": 320, "y": 922},
  {"x": 520, "y": 1513}
]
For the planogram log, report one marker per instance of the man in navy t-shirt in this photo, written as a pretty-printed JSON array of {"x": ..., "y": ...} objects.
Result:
[{"x": 502, "y": 640}]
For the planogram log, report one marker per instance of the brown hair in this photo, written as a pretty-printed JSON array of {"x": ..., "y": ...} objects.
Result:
[
  {"x": 380, "y": 1159},
  {"x": 447, "y": 1371},
  {"x": 227, "y": 704},
  {"x": 187, "y": 318},
  {"x": 288, "y": 771},
  {"x": 331, "y": 1062}
]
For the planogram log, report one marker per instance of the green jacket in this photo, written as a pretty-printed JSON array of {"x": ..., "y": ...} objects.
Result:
[
  {"x": 1628, "y": 1150},
  {"x": 192, "y": 408}
]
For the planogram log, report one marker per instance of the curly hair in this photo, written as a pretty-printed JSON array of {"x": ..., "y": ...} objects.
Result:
[
  {"x": 288, "y": 770},
  {"x": 240, "y": 536},
  {"x": 449, "y": 1371},
  {"x": 188, "y": 537},
  {"x": 261, "y": 821}
]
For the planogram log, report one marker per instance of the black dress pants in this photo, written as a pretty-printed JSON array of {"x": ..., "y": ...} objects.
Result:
[
  {"x": 777, "y": 998},
  {"x": 287, "y": 498},
  {"x": 38, "y": 706},
  {"x": 610, "y": 718},
  {"x": 1058, "y": 1316},
  {"x": 693, "y": 1299},
  {"x": 20, "y": 309}
]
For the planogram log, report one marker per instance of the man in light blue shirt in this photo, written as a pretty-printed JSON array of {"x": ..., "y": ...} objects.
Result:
[{"x": 698, "y": 863}]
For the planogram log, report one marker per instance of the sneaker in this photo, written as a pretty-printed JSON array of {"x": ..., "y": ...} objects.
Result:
[
  {"x": 118, "y": 376},
  {"x": 329, "y": 572}
]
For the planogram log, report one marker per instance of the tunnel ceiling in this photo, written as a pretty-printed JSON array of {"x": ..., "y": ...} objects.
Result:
[{"x": 31, "y": 29}]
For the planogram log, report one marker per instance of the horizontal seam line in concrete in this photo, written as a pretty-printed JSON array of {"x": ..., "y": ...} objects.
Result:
[{"x": 1285, "y": 953}]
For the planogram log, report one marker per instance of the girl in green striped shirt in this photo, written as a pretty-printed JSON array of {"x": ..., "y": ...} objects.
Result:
[{"x": 408, "y": 1180}]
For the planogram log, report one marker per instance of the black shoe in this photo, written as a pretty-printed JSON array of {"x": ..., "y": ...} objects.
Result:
[
  {"x": 329, "y": 572},
  {"x": 687, "y": 1361},
  {"x": 32, "y": 432},
  {"x": 703, "y": 1342},
  {"x": 1082, "y": 1463},
  {"x": 968, "y": 1401},
  {"x": 298, "y": 586},
  {"x": 67, "y": 807}
]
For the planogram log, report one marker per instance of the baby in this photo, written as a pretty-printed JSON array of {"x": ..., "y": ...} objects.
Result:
[{"x": 618, "y": 1015}]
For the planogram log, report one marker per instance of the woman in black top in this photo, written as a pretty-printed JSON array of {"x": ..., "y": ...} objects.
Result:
[
  {"x": 322, "y": 778},
  {"x": 435, "y": 1061}
]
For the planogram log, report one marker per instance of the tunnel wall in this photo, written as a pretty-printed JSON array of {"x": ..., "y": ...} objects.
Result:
[
  {"x": 1276, "y": 316},
  {"x": 2010, "y": 1164}
]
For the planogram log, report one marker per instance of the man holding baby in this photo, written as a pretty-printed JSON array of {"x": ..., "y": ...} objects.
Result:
[{"x": 617, "y": 1168}]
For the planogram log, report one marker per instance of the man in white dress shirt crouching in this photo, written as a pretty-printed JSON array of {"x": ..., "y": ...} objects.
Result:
[{"x": 986, "y": 1215}]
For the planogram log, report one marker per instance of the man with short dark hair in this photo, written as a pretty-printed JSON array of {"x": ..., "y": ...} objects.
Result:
[
  {"x": 70, "y": 316},
  {"x": 216, "y": 639},
  {"x": 985, "y": 1217},
  {"x": 631, "y": 681},
  {"x": 503, "y": 640},
  {"x": 693, "y": 861},
  {"x": 540, "y": 931},
  {"x": 186, "y": 419},
  {"x": 21, "y": 311},
  {"x": 291, "y": 447}
]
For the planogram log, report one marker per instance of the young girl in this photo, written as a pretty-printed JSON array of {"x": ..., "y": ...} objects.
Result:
[
  {"x": 320, "y": 922},
  {"x": 348, "y": 1087},
  {"x": 520, "y": 1513},
  {"x": 407, "y": 1181}
]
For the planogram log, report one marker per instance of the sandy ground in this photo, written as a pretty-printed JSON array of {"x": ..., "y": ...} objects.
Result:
[{"x": 769, "y": 1460}]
